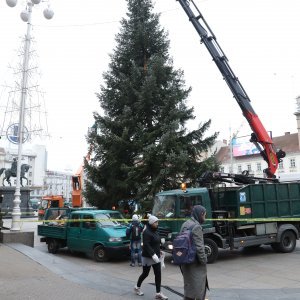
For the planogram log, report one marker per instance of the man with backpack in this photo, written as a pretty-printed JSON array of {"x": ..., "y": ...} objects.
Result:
[
  {"x": 194, "y": 270},
  {"x": 134, "y": 233}
]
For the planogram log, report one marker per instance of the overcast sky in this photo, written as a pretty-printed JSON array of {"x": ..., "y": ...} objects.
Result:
[{"x": 261, "y": 39}]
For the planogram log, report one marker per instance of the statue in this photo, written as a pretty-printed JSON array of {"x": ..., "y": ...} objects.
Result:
[
  {"x": 12, "y": 172},
  {"x": 13, "y": 168}
]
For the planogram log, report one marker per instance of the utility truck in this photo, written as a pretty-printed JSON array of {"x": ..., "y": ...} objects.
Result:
[
  {"x": 99, "y": 233},
  {"x": 249, "y": 215},
  {"x": 52, "y": 201},
  {"x": 242, "y": 211},
  {"x": 57, "y": 201}
]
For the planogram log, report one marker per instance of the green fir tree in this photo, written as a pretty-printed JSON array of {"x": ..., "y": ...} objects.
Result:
[{"x": 141, "y": 145}]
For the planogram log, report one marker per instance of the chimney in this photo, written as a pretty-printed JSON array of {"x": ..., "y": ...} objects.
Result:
[{"x": 297, "y": 114}]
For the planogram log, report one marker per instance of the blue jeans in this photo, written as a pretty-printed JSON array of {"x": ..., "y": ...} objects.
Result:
[{"x": 136, "y": 248}]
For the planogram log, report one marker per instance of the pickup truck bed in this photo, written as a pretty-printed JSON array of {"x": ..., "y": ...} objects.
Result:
[{"x": 52, "y": 231}]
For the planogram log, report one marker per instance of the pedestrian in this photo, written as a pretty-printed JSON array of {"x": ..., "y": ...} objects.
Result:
[
  {"x": 134, "y": 233},
  {"x": 195, "y": 274},
  {"x": 151, "y": 257}
]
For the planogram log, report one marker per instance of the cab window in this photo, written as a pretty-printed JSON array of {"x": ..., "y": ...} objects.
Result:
[
  {"x": 75, "y": 221},
  {"x": 88, "y": 222},
  {"x": 187, "y": 203}
]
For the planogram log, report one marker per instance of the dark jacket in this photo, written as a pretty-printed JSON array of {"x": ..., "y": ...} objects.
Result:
[
  {"x": 129, "y": 230},
  {"x": 151, "y": 242}
]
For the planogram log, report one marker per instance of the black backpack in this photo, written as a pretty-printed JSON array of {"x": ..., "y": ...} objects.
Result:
[{"x": 136, "y": 232}]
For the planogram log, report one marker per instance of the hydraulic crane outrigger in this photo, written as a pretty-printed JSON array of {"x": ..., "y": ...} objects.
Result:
[{"x": 260, "y": 136}]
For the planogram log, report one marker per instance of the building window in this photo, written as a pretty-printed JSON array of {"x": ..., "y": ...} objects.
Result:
[
  {"x": 29, "y": 182},
  {"x": 30, "y": 173},
  {"x": 258, "y": 167},
  {"x": 222, "y": 169},
  {"x": 280, "y": 165},
  {"x": 292, "y": 163},
  {"x": 249, "y": 168},
  {"x": 239, "y": 169}
]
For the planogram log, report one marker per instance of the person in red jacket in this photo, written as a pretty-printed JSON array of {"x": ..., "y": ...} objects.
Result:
[{"x": 151, "y": 257}]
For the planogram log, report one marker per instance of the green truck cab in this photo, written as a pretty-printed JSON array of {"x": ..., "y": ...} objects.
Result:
[
  {"x": 237, "y": 216},
  {"x": 100, "y": 233}
]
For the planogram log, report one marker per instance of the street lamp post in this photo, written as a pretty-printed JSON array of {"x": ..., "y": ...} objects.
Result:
[{"x": 26, "y": 17}]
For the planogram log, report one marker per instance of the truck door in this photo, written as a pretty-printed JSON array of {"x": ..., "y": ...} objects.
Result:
[
  {"x": 73, "y": 233},
  {"x": 89, "y": 232},
  {"x": 186, "y": 204}
]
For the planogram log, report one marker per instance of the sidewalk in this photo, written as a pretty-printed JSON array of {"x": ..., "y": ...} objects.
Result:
[
  {"x": 23, "y": 278},
  {"x": 28, "y": 273}
]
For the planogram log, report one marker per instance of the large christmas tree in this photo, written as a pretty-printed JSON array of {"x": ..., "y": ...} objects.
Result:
[{"x": 141, "y": 145}]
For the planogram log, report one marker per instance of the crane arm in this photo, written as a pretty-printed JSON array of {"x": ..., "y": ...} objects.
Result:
[{"x": 260, "y": 136}]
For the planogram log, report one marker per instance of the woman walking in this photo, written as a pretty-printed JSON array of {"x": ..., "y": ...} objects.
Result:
[
  {"x": 195, "y": 274},
  {"x": 151, "y": 257}
]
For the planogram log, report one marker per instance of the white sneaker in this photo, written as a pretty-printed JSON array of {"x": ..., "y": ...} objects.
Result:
[
  {"x": 138, "y": 291},
  {"x": 161, "y": 296}
]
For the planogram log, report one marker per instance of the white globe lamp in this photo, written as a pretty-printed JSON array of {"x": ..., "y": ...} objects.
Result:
[
  {"x": 24, "y": 16},
  {"x": 48, "y": 13},
  {"x": 11, "y": 3}
]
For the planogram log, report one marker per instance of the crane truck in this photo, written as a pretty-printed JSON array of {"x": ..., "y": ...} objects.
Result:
[
  {"x": 58, "y": 201},
  {"x": 50, "y": 202},
  {"x": 250, "y": 211},
  {"x": 259, "y": 136}
]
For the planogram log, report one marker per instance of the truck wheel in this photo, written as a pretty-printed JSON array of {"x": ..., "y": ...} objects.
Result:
[
  {"x": 100, "y": 254},
  {"x": 211, "y": 250},
  {"x": 287, "y": 242},
  {"x": 53, "y": 246}
]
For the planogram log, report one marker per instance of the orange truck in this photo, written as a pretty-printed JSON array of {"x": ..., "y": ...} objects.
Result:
[
  {"x": 57, "y": 201},
  {"x": 50, "y": 202}
]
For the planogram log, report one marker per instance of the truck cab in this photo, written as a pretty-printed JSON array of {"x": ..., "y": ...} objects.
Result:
[
  {"x": 55, "y": 201},
  {"x": 175, "y": 206}
]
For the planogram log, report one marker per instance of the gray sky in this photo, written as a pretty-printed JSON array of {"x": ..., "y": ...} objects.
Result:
[{"x": 261, "y": 39}]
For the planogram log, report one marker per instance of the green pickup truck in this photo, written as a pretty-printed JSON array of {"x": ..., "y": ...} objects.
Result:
[{"x": 100, "y": 233}]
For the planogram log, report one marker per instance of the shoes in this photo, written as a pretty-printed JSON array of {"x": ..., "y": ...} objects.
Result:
[
  {"x": 138, "y": 291},
  {"x": 161, "y": 296},
  {"x": 132, "y": 265}
]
